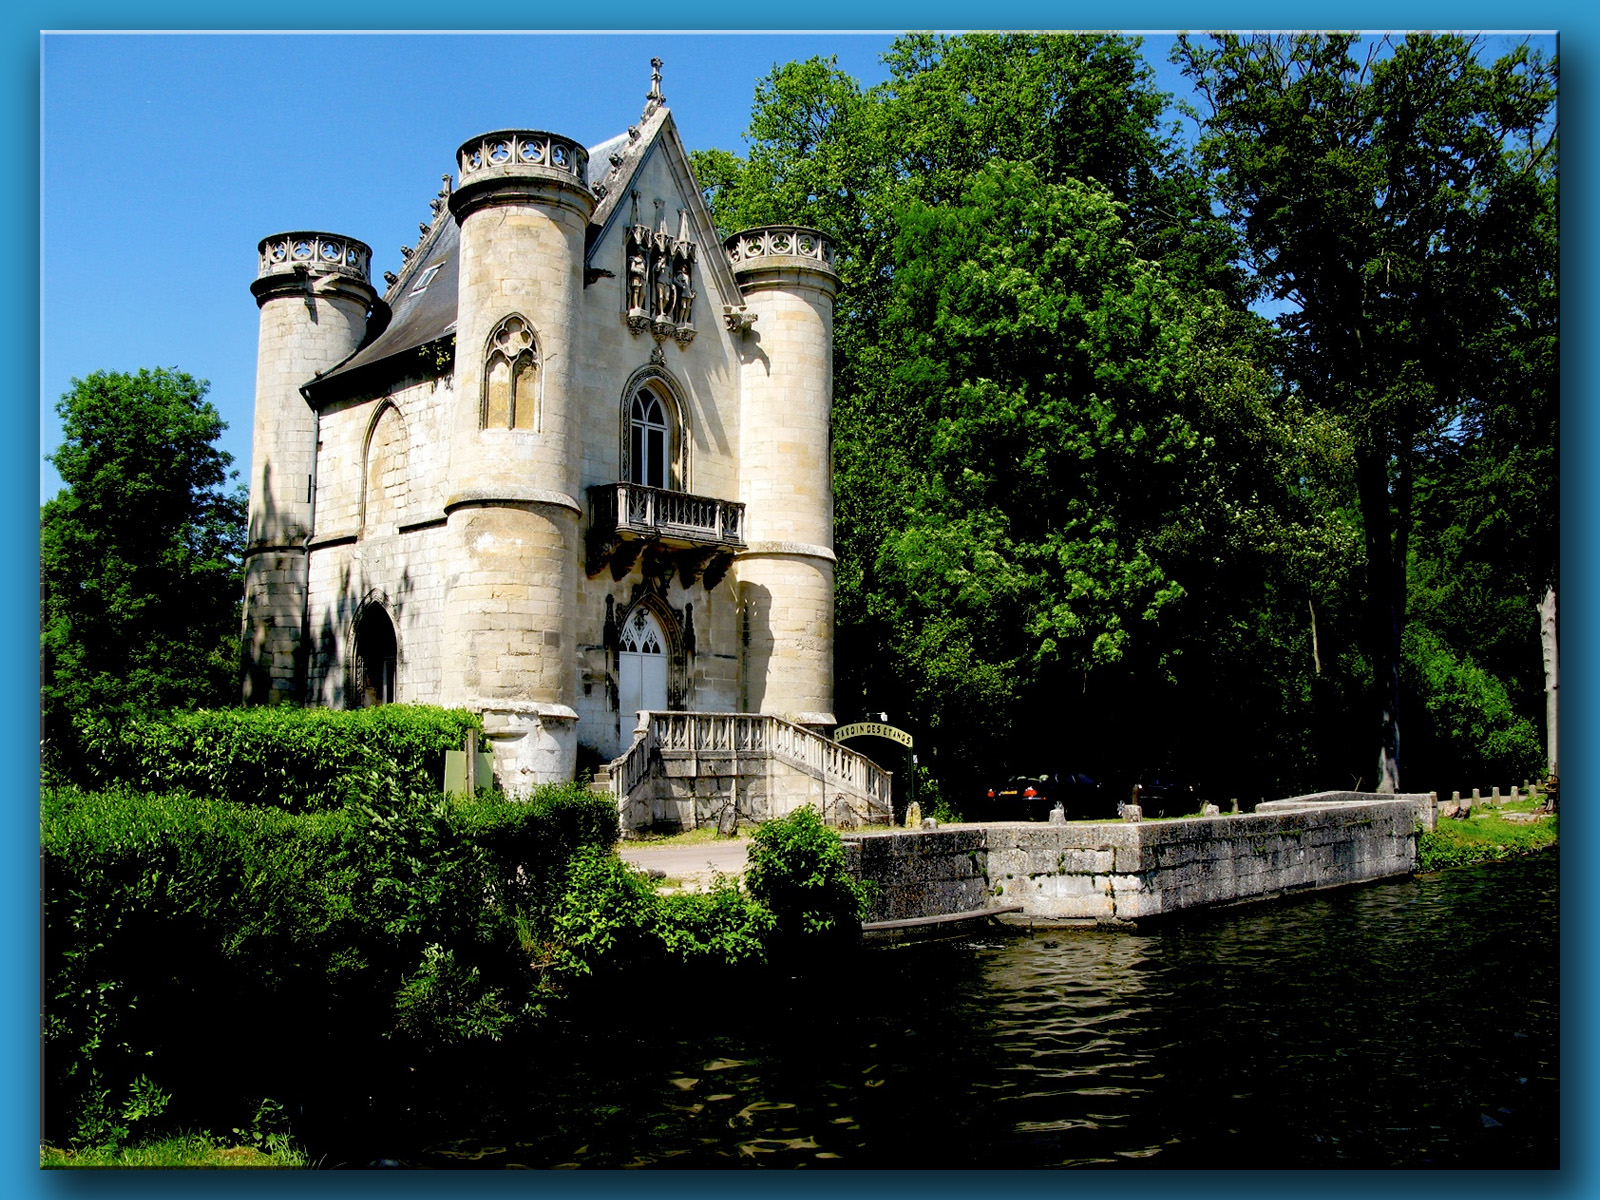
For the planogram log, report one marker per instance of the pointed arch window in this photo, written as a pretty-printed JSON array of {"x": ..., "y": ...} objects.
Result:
[
  {"x": 510, "y": 377},
  {"x": 649, "y": 442}
]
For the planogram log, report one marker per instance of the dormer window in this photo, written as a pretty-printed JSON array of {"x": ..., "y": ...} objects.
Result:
[{"x": 426, "y": 278}]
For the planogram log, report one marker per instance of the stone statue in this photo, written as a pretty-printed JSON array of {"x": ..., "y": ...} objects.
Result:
[
  {"x": 636, "y": 272},
  {"x": 685, "y": 305},
  {"x": 664, "y": 288}
]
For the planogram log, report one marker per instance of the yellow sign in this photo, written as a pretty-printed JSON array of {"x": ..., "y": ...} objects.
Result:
[{"x": 872, "y": 729}]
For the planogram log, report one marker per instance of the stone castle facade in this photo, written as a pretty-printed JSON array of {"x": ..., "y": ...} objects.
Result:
[{"x": 571, "y": 463}]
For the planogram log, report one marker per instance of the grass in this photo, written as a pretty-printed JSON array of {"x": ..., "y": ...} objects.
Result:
[
  {"x": 1485, "y": 837},
  {"x": 187, "y": 1150}
]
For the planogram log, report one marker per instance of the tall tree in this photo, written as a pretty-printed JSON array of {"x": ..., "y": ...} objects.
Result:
[
  {"x": 140, "y": 552},
  {"x": 1058, "y": 455},
  {"x": 1393, "y": 194}
]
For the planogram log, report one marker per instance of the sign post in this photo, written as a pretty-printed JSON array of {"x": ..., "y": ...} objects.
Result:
[{"x": 882, "y": 729}]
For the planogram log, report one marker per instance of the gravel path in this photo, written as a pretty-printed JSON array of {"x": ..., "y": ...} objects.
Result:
[{"x": 692, "y": 864}]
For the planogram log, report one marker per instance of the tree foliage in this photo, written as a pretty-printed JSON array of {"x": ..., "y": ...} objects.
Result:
[
  {"x": 1088, "y": 505},
  {"x": 1058, "y": 441},
  {"x": 1399, "y": 197},
  {"x": 140, "y": 552}
]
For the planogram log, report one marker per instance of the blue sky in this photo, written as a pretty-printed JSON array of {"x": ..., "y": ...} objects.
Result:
[{"x": 166, "y": 158}]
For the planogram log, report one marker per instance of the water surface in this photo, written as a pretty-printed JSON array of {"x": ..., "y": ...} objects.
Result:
[{"x": 1408, "y": 1023}]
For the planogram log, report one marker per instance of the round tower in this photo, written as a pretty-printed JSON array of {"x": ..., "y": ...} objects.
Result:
[
  {"x": 315, "y": 293},
  {"x": 785, "y": 575},
  {"x": 523, "y": 205}
]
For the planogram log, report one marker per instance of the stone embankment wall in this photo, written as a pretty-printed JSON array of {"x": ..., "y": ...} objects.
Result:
[{"x": 1125, "y": 871}]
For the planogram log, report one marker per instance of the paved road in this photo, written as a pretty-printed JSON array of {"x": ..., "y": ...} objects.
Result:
[{"x": 687, "y": 862}]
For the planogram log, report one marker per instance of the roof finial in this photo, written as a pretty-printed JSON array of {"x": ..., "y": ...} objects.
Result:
[{"x": 655, "y": 82}]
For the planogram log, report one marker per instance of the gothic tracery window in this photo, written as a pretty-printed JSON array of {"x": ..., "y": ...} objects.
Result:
[{"x": 510, "y": 394}]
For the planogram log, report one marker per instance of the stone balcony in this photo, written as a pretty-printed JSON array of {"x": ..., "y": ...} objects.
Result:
[{"x": 696, "y": 536}]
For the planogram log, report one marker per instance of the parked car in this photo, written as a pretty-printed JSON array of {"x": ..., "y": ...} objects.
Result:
[
  {"x": 1166, "y": 795},
  {"x": 1031, "y": 797}
]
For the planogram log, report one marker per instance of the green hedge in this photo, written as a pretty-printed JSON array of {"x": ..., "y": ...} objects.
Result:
[
  {"x": 286, "y": 757},
  {"x": 222, "y": 952}
]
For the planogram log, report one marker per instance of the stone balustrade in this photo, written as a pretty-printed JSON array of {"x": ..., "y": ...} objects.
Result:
[
  {"x": 511, "y": 151},
  {"x": 633, "y": 508},
  {"x": 758, "y": 763},
  {"x": 778, "y": 241},
  {"x": 317, "y": 253}
]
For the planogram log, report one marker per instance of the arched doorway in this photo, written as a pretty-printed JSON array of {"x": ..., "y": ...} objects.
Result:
[
  {"x": 376, "y": 656},
  {"x": 641, "y": 665}
]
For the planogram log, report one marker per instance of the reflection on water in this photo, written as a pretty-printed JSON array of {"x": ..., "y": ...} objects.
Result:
[{"x": 1411, "y": 1023}]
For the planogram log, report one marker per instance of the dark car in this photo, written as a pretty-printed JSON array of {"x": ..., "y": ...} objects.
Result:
[
  {"x": 1167, "y": 795},
  {"x": 1031, "y": 797}
]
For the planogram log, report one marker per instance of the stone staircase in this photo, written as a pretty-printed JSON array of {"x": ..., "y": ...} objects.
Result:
[{"x": 686, "y": 770}]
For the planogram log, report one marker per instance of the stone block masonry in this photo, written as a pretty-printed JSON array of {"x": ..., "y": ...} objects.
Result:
[{"x": 1117, "y": 871}]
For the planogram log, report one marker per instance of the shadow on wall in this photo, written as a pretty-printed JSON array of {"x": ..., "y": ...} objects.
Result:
[
  {"x": 332, "y": 680},
  {"x": 255, "y": 674},
  {"x": 755, "y": 632}
]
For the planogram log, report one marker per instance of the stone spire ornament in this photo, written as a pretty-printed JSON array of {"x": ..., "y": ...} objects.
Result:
[{"x": 653, "y": 99}]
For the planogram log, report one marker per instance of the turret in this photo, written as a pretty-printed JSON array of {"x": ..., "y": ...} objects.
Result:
[
  {"x": 315, "y": 294},
  {"x": 523, "y": 205},
  {"x": 785, "y": 576}
]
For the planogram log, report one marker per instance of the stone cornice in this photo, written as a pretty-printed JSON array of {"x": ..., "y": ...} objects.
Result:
[
  {"x": 508, "y": 494},
  {"x": 788, "y": 550}
]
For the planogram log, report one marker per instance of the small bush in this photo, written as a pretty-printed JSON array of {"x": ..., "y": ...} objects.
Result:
[
  {"x": 298, "y": 759},
  {"x": 796, "y": 869},
  {"x": 725, "y": 925}
]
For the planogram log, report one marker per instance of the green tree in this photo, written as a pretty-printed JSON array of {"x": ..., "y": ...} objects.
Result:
[
  {"x": 1397, "y": 197},
  {"x": 1060, "y": 461},
  {"x": 140, "y": 552}
]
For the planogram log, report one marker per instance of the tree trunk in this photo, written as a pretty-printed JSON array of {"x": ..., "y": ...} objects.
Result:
[
  {"x": 1316, "y": 658},
  {"x": 1547, "y": 638},
  {"x": 1385, "y": 608}
]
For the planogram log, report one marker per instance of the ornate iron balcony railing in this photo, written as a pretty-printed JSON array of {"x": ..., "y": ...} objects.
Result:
[{"x": 640, "y": 511}]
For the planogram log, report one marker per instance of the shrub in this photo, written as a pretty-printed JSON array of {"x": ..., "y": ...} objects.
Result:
[
  {"x": 796, "y": 869},
  {"x": 725, "y": 926},
  {"x": 175, "y": 924},
  {"x": 285, "y": 757},
  {"x": 604, "y": 921},
  {"x": 1470, "y": 730}
]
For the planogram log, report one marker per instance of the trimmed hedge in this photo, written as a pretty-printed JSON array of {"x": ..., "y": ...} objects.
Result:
[
  {"x": 298, "y": 759},
  {"x": 228, "y": 952}
]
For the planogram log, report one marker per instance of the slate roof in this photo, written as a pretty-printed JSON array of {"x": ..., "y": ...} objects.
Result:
[{"x": 407, "y": 318}]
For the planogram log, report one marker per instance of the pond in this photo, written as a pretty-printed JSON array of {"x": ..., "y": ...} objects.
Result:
[{"x": 1411, "y": 1023}]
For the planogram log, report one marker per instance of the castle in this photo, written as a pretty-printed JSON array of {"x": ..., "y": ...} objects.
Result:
[{"x": 570, "y": 466}]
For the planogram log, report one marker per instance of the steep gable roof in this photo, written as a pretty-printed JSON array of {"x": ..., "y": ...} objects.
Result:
[
  {"x": 615, "y": 164},
  {"x": 416, "y": 311}
]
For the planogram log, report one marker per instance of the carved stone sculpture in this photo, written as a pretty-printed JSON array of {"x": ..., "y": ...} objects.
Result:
[
  {"x": 663, "y": 288},
  {"x": 684, "y": 310},
  {"x": 636, "y": 274}
]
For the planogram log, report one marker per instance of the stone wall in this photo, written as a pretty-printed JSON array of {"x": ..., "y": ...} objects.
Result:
[
  {"x": 1124, "y": 871},
  {"x": 1424, "y": 805},
  {"x": 923, "y": 873}
]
